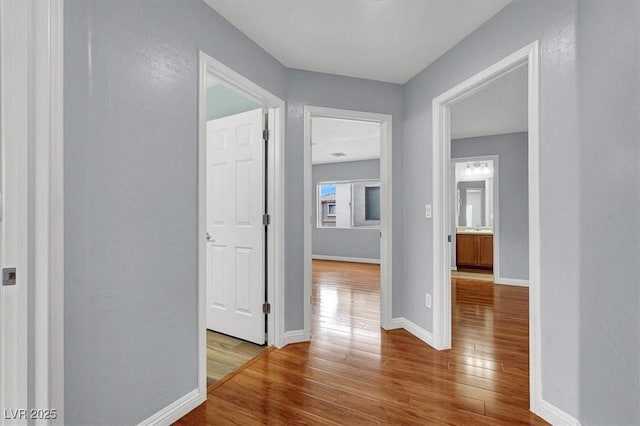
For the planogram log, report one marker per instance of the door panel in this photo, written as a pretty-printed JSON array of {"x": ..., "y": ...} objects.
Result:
[
  {"x": 466, "y": 252},
  {"x": 235, "y": 246},
  {"x": 486, "y": 251}
]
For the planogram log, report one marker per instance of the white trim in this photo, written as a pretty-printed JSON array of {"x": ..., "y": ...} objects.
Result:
[
  {"x": 411, "y": 327},
  {"x": 496, "y": 207},
  {"x": 511, "y": 281},
  {"x": 556, "y": 416},
  {"x": 345, "y": 259},
  {"x": 176, "y": 410},
  {"x": 528, "y": 56},
  {"x": 32, "y": 41},
  {"x": 294, "y": 336},
  {"x": 386, "y": 239},
  {"x": 275, "y": 203},
  {"x": 396, "y": 323}
]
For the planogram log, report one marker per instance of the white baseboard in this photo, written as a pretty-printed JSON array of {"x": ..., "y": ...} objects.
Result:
[
  {"x": 511, "y": 281},
  {"x": 175, "y": 410},
  {"x": 294, "y": 336},
  {"x": 414, "y": 329},
  {"x": 396, "y": 323},
  {"x": 345, "y": 259},
  {"x": 555, "y": 416}
]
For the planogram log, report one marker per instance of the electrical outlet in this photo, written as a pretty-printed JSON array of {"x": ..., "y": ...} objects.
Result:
[
  {"x": 427, "y": 211},
  {"x": 427, "y": 300}
]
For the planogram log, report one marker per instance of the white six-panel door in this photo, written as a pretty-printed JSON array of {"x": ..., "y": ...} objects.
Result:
[{"x": 235, "y": 232}]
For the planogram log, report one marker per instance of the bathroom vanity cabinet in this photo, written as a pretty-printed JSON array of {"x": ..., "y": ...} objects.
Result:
[{"x": 474, "y": 251}]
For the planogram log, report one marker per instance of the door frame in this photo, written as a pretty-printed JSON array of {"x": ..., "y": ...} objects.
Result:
[
  {"x": 275, "y": 203},
  {"x": 527, "y": 56},
  {"x": 386, "y": 239},
  {"x": 496, "y": 206},
  {"x": 31, "y": 104}
]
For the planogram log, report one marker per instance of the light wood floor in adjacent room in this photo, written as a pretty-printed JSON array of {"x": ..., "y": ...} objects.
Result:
[
  {"x": 473, "y": 275},
  {"x": 226, "y": 353},
  {"x": 355, "y": 373}
]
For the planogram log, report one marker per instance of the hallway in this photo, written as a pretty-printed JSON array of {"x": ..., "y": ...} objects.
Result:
[{"x": 353, "y": 372}]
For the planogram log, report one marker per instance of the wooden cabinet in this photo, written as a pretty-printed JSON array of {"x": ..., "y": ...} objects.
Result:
[{"x": 474, "y": 251}]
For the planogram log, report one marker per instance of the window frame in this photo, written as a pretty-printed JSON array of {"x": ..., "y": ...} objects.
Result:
[{"x": 320, "y": 214}]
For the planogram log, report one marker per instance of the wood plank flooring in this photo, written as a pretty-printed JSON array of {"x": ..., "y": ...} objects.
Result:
[
  {"x": 355, "y": 373},
  {"x": 226, "y": 353},
  {"x": 473, "y": 275}
]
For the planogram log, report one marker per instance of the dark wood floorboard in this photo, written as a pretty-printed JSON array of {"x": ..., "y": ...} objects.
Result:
[{"x": 355, "y": 373}]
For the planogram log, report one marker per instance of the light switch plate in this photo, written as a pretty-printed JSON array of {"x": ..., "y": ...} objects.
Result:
[{"x": 427, "y": 211}]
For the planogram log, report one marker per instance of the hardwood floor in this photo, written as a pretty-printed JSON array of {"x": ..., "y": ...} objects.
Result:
[
  {"x": 473, "y": 275},
  {"x": 226, "y": 353},
  {"x": 354, "y": 373}
]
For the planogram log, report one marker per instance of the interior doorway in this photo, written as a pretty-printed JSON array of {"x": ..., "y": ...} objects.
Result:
[
  {"x": 348, "y": 202},
  {"x": 444, "y": 293},
  {"x": 346, "y": 217},
  {"x": 240, "y": 221},
  {"x": 475, "y": 245}
]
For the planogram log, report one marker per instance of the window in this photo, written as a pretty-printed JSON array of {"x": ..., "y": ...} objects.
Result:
[
  {"x": 372, "y": 203},
  {"x": 348, "y": 204}
]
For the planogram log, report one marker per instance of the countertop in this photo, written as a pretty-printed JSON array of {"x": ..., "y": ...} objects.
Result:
[{"x": 467, "y": 230}]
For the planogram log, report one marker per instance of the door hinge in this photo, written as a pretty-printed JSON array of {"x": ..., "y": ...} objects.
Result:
[
  {"x": 449, "y": 238},
  {"x": 8, "y": 276},
  {"x": 265, "y": 135},
  {"x": 266, "y": 219},
  {"x": 266, "y": 308},
  {"x": 380, "y": 234}
]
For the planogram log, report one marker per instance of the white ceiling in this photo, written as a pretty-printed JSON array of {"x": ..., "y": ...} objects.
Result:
[
  {"x": 386, "y": 40},
  {"x": 358, "y": 140},
  {"x": 499, "y": 108}
]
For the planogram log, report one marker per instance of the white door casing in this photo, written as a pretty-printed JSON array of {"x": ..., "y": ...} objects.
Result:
[
  {"x": 235, "y": 193},
  {"x": 14, "y": 300},
  {"x": 31, "y": 312},
  {"x": 441, "y": 147},
  {"x": 386, "y": 211}
]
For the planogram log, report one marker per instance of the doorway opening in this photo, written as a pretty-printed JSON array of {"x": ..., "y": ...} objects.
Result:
[
  {"x": 345, "y": 158},
  {"x": 347, "y": 248},
  {"x": 240, "y": 221},
  {"x": 523, "y": 304},
  {"x": 475, "y": 242}
]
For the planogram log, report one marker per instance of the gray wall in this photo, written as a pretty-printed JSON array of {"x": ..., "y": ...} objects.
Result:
[
  {"x": 609, "y": 202},
  {"x": 317, "y": 89},
  {"x": 130, "y": 101},
  {"x": 513, "y": 204},
  {"x": 589, "y": 174},
  {"x": 352, "y": 242}
]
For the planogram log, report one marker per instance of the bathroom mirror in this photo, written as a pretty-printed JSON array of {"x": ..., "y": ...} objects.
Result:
[
  {"x": 472, "y": 204},
  {"x": 474, "y": 194}
]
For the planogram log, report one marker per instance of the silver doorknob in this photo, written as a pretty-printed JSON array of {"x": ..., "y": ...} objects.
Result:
[{"x": 210, "y": 238}]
